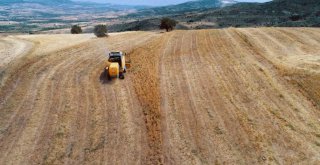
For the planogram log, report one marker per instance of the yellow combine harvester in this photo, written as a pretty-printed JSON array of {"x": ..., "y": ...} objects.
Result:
[{"x": 117, "y": 65}]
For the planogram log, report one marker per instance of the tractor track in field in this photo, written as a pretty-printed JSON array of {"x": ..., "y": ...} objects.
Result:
[{"x": 229, "y": 96}]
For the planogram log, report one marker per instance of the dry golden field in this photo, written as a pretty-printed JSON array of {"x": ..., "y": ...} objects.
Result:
[{"x": 229, "y": 96}]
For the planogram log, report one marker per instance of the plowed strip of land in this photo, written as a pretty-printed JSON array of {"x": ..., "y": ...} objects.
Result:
[{"x": 229, "y": 96}]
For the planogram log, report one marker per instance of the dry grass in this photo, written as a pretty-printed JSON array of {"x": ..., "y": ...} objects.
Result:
[{"x": 229, "y": 96}]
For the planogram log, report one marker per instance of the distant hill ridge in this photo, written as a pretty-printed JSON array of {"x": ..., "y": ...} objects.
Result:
[
  {"x": 277, "y": 13},
  {"x": 37, "y": 1},
  {"x": 205, "y": 3},
  {"x": 292, "y": 13},
  {"x": 194, "y": 5}
]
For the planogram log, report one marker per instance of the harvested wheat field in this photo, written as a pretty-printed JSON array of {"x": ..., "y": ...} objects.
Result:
[{"x": 229, "y": 96}]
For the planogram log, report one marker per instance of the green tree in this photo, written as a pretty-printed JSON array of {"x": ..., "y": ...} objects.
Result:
[
  {"x": 168, "y": 24},
  {"x": 76, "y": 29},
  {"x": 100, "y": 30}
]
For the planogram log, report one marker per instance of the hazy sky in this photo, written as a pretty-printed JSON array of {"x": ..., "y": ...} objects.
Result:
[{"x": 154, "y": 2}]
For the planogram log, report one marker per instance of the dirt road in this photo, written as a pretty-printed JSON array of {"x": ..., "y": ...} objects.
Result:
[
  {"x": 10, "y": 49},
  {"x": 230, "y": 96}
]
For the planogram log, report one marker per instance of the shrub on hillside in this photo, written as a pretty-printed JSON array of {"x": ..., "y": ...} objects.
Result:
[
  {"x": 100, "y": 30},
  {"x": 76, "y": 29},
  {"x": 168, "y": 24},
  {"x": 295, "y": 17}
]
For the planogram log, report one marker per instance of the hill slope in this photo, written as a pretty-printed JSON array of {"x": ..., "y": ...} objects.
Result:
[
  {"x": 230, "y": 96},
  {"x": 275, "y": 13},
  {"x": 194, "y": 5}
]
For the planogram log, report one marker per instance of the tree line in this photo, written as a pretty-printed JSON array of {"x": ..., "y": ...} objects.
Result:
[{"x": 102, "y": 31}]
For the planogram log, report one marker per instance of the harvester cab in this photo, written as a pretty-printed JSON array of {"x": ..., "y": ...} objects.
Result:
[{"x": 116, "y": 65}]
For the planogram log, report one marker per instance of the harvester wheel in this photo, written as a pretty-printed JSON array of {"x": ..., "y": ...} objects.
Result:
[
  {"x": 107, "y": 75},
  {"x": 121, "y": 76}
]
